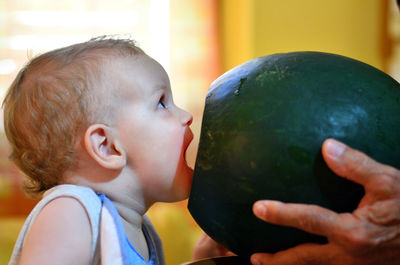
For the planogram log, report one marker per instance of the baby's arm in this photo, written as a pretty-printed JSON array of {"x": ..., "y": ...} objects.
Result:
[{"x": 60, "y": 235}]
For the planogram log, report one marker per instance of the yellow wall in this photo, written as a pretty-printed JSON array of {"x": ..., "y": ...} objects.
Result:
[{"x": 253, "y": 28}]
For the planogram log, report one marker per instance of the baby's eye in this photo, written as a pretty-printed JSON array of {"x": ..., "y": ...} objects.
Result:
[{"x": 161, "y": 104}]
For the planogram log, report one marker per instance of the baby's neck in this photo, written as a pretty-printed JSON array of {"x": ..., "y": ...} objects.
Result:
[
  {"x": 131, "y": 207},
  {"x": 133, "y": 225}
]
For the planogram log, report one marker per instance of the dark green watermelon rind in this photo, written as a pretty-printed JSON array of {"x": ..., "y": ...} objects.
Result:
[{"x": 254, "y": 104}]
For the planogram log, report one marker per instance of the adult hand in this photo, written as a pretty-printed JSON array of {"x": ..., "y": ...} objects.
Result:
[{"x": 369, "y": 235}]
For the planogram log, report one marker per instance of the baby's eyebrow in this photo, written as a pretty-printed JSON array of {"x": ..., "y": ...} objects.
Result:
[
  {"x": 163, "y": 87},
  {"x": 158, "y": 92}
]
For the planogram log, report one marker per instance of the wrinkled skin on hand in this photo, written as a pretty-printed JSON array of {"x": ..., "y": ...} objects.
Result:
[{"x": 370, "y": 235}]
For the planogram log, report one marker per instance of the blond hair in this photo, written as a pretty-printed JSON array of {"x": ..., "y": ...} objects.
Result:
[{"x": 50, "y": 104}]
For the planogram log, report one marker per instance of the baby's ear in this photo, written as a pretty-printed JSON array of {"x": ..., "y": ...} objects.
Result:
[{"x": 104, "y": 147}]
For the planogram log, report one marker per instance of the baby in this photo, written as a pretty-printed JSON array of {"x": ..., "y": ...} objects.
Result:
[{"x": 95, "y": 129}]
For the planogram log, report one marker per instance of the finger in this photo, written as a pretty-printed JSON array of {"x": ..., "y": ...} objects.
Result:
[
  {"x": 353, "y": 164},
  {"x": 302, "y": 254},
  {"x": 310, "y": 218}
]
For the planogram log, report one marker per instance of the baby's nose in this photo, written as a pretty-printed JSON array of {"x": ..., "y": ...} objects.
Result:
[{"x": 186, "y": 118}]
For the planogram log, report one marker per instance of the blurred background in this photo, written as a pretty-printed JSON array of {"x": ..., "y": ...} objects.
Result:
[{"x": 195, "y": 41}]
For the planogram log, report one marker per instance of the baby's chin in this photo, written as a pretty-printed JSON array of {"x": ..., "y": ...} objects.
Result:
[{"x": 188, "y": 177}]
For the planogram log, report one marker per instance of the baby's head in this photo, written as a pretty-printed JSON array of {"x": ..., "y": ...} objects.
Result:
[
  {"x": 53, "y": 100},
  {"x": 100, "y": 105}
]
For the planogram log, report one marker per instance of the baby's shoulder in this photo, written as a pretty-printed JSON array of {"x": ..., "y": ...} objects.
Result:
[
  {"x": 62, "y": 223},
  {"x": 64, "y": 214}
]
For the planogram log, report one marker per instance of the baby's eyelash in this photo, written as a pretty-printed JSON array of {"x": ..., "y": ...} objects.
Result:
[{"x": 161, "y": 103}]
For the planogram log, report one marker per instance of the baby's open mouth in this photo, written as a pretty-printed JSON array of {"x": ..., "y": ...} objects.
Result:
[{"x": 187, "y": 138}]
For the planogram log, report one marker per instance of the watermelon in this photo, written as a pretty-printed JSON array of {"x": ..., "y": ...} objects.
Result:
[{"x": 263, "y": 126}]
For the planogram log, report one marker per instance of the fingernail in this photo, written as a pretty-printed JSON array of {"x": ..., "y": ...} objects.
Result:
[
  {"x": 255, "y": 261},
  {"x": 260, "y": 209},
  {"x": 334, "y": 148}
]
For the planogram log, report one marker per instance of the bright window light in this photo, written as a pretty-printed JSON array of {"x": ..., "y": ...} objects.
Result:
[
  {"x": 78, "y": 18},
  {"x": 7, "y": 66},
  {"x": 159, "y": 34}
]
